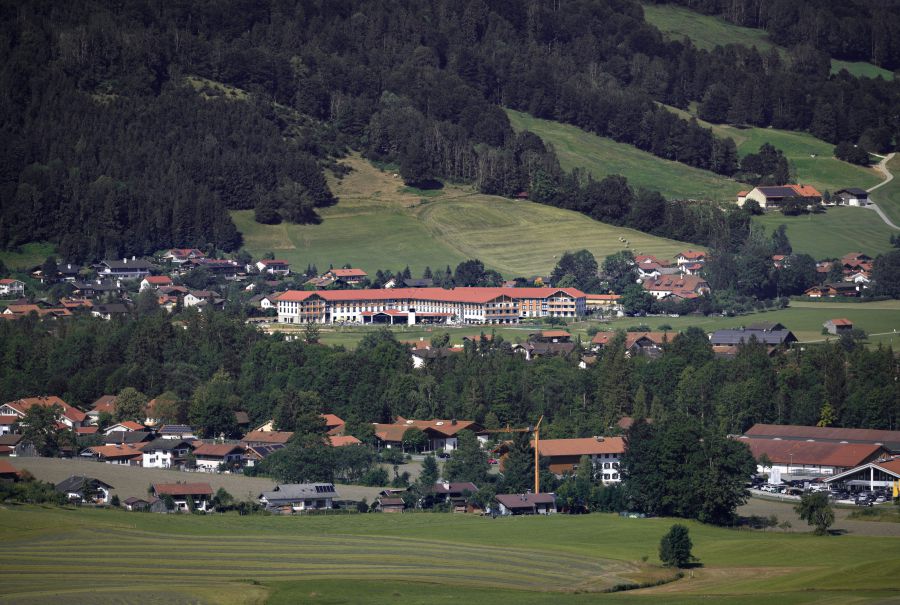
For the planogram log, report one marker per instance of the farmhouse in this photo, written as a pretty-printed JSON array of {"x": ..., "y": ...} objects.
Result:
[
  {"x": 838, "y": 326},
  {"x": 348, "y": 276},
  {"x": 773, "y": 334},
  {"x": 689, "y": 257},
  {"x": 852, "y": 196},
  {"x": 125, "y": 454},
  {"x": 526, "y": 504},
  {"x": 429, "y": 305},
  {"x": 125, "y": 268},
  {"x": 12, "y": 287},
  {"x": 810, "y": 458},
  {"x": 441, "y": 435},
  {"x": 166, "y": 453},
  {"x": 299, "y": 497},
  {"x": 877, "y": 474},
  {"x": 679, "y": 286},
  {"x": 85, "y": 489},
  {"x": 454, "y": 493},
  {"x": 153, "y": 282},
  {"x": 69, "y": 416},
  {"x": 273, "y": 267},
  {"x": 199, "y": 494},
  {"x": 565, "y": 455},
  {"x": 827, "y": 434},
  {"x": 124, "y": 426},
  {"x": 769, "y": 197},
  {"x": 214, "y": 457}
]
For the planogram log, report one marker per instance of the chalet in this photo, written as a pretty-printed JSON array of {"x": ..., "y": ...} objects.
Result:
[
  {"x": 198, "y": 493},
  {"x": 879, "y": 474},
  {"x": 605, "y": 454},
  {"x": 299, "y": 497},
  {"x": 273, "y": 267},
  {"x": 85, "y": 489},
  {"x": 136, "y": 504},
  {"x": 689, "y": 257},
  {"x": 525, "y": 504},
  {"x": 838, "y": 326},
  {"x": 124, "y": 269},
  {"x": 215, "y": 457},
  {"x": 135, "y": 438},
  {"x": 254, "y": 454},
  {"x": 176, "y": 431},
  {"x": 648, "y": 344},
  {"x": 110, "y": 311},
  {"x": 69, "y": 416},
  {"x": 826, "y": 434},
  {"x": 387, "y": 504},
  {"x": 769, "y": 197},
  {"x": 679, "y": 286},
  {"x": 227, "y": 269},
  {"x": 855, "y": 261},
  {"x": 860, "y": 278},
  {"x": 650, "y": 267},
  {"x": 196, "y": 298},
  {"x": 773, "y": 334},
  {"x": 852, "y": 196},
  {"x": 8, "y": 472},
  {"x": 348, "y": 276},
  {"x": 833, "y": 290},
  {"x": 179, "y": 256},
  {"x": 343, "y": 440},
  {"x": 124, "y": 426},
  {"x": 441, "y": 434},
  {"x": 550, "y": 336},
  {"x": 96, "y": 288},
  {"x": 423, "y": 354},
  {"x": 456, "y": 494},
  {"x": 166, "y": 453},
  {"x": 604, "y": 303},
  {"x": 254, "y": 438},
  {"x": 154, "y": 282},
  {"x": 792, "y": 457},
  {"x": 534, "y": 350},
  {"x": 17, "y": 310},
  {"x": 12, "y": 287}
]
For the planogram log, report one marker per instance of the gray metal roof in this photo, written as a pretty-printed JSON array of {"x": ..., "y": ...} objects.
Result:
[
  {"x": 769, "y": 337},
  {"x": 74, "y": 484},
  {"x": 299, "y": 491}
]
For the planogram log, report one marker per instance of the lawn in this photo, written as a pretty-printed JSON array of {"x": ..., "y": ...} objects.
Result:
[
  {"x": 805, "y": 319},
  {"x": 26, "y": 256},
  {"x": 707, "y": 32},
  {"x": 379, "y": 224},
  {"x": 75, "y": 556},
  {"x": 834, "y": 233},
  {"x": 601, "y": 156}
]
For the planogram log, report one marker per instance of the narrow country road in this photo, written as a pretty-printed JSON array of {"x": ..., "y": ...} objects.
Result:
[{"x": 888, "y": 177}]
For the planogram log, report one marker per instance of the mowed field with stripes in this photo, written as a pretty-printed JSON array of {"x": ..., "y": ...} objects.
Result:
[{"x": 69, "y": 556}]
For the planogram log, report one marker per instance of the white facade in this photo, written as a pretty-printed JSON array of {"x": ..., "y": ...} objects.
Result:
[{"x": 12, "y": 287}]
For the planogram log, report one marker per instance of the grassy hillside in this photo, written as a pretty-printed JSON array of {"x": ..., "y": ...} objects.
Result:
[
  {"x": 77, "y": 556},
  {"x": 888, "y": 196},
  {"x": 602, "y": 156},
  {"x": 812, "y": 159},
  {"x": 27, "y": 256},
  {"x": 834, "y": 233},
  {"x": 708, "y": 32},
  {"x": 378, "y": 223}
]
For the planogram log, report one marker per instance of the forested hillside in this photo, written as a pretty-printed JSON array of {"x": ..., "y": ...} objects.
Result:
[{"x": 111, "y": 149}]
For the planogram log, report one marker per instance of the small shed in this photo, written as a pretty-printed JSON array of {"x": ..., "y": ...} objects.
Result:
[
  {"x": 391, "y": 505},
  {"x": 838, "y": 326}
]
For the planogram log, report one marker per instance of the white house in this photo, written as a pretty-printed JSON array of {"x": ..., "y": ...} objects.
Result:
[
  {"x": 273, "y": 267},
  {"x": 210, "y": 457},
  {"x": 133, "y": 268},
  {"x": 12, "y": 287},
  {"x": 526, "y": 504},
  {"x": 166, "y": 453},
  {"x": 299, "y": 497},
  {"x": 852, "y": 196},
  {"x": 71, "y": 417},
  {"x": 124, "y": 426},
  {"x": 153, "y": 282},
  {"x": 75, "y": 486},
  {"x": 199, "y": 493}
]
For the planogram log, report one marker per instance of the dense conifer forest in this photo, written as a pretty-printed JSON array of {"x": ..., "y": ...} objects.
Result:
[{"x": 136, "y": 125}]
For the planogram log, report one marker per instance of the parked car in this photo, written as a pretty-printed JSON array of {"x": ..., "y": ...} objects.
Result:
[{"x": 493, "y": 461}]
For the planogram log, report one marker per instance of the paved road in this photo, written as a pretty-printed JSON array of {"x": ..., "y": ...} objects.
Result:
[{"x": 888, "y": 177}]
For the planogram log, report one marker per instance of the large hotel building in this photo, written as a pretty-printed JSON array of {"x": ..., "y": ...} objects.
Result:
[{"x": 429, "y": 305}]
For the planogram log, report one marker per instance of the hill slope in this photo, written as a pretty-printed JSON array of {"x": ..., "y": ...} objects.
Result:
[
  {"x": 601, "y": 156},
  {"x": 379, "y": 224}
]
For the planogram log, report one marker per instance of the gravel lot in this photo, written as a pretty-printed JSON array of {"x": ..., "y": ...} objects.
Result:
[{"x": 785, "y": 512}]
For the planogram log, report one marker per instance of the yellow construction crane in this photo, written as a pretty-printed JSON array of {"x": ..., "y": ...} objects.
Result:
[{"x": 536, "y": 431}]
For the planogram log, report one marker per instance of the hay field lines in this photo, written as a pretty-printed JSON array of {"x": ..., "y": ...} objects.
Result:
[
  {"x": 380, "y": 224},
  {"x": 707, "y": 32}
]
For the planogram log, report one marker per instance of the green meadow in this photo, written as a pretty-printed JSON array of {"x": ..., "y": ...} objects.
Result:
[
  {"x": 26, "y": 256},
  {"x": 888, "y": 195},
  {"x": 80, "y": 556},
  {"x": 379, "y": 224},
  {"x": 707, "y": 32}
]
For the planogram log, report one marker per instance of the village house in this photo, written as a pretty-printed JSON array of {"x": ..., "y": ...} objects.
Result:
[
  {"x": 257, "y": 437},
  {"x": 838, "y": 326},
  {"x": 124, "y": 426},
  {"x": 17, "y": 310},
  {"x": 104, "y": 404},
  {"x": 525, "y": 504},
  {"x": 12, "y": 287},
  {"x": 348, "y": 276},
  {"x": 678, "y": 286},
  {"x": 201, "y": 298},
  {"x": 176, "y": 431},
  {"x": 456, "y": 494},
  {"x": 69, "y": 416},
  {"x": 388, "y": 504},
  {"x": 179, "y": 256},
  {"x": 110, "y": 311},
  {"x": 773, "y": 197},
  {"x": 649, "y": 344},
  {"x": 833, "y": 290},
  {"x": 154, "y": 282},
  {"x": 85, "y": 489},
  {"x": 651, "y": 267},
  {"x": 215, "y": 457},
  {"x": 299, "y": 497},
  {"x": 8, "y": 472},
  {"x": 125, "y": 454},
  {"x": 773, "y": 334},
  {"x": 343, "y": 440},
  {"x": 12, "y": 444},
  {"x": 134, "y": 268},
  {"x": 8, "y": 423},
  {"x": 441, "y": 435},
  {"x": 690, "y": 257},
  {"x": 198, "y": 493},
  {"x": 852, "y": 196},
  {"x": 274, "y": 267},
  {"x": 96, "y": 288},
  {"x": 166, "y": 453},
  {"x": 139, "y": 504},
  {"x": 254, "y": 454},
  {"x": 565, "y": 455},
  {"x": 429, "y": 305},
  {"x": 606, "y": 304}
]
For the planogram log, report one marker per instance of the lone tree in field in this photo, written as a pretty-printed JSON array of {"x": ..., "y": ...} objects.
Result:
[
  {"x": 675, "y": 547},
  {"x": 815, "y": 510}
]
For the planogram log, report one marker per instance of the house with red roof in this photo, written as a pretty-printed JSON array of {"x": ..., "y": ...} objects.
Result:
[
  {"x": 565, "y": 455},
  {"x": 8, "y": 472},
  {"x": 199, "y": 493},
  {"x": 690, "y": 256},
  {"x": 12, "y": 287},
  {"x": 154, "y": 282},
  {"x": 678, "y": 286},
  {"x": 773, "y": 197},
  {"x": 838, "y": 326},
  {"x": 348, "y": 276},
  {"x": 126, "y": 426},
  {"x": 818, "y": 458},
  {"x": 69, "y": 416},
  {"x": 442, "y": 435},
  {"x": 343, "y": 440}
]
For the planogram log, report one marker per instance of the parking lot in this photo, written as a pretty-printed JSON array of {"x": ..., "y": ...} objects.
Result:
[{"x": 765, "y": 506}]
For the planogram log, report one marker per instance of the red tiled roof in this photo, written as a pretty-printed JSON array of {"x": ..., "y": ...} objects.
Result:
[
  {"x": 267, "y": 437},
  {"x": 8, "y": 469},
  {"x": 162, "y": 280},
  {"x": 348, "y": 273},
  {"x": 87, "y": 430},
  {"x": 581, "y": 446},
  {"x": 470, "y": 295},
  {"x": 555, "y": 334},
  {"x": 742, "y": 193},
  {"x": 270, "y": 261},
  {"x": 124, "y": 450},
  {"x": 822, "y": 433},
  {"x": 841, "y": 322},
  {"x": 8, "y": 281},
  {"x": 611, "y": 297},
  {"x": 693, "y": 254},
  {"x": 660, "y": 338},
  {"x": 22, "y": 405},
  {"x": 332, "y": 420},
  {"x": 8, "y": 419},
  {"x": 805, "y": 190},
  {"x": 891, "y": 465},
  {"x": 216, "y": 450},
  {"x": 819, "y": 453},
  {"x": 344, "y": 440},
  {"x": 130, "y": 425},
  {"x": 182, "y": 489}
]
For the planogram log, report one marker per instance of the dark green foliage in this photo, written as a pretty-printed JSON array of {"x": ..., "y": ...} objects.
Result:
[
  {"x": 42, "y": 432},
  {"x": 30, "y": 491},
  {"x": 675, "y": 547},
  {"x": 468, "y": 462},
  {"x": 815, "y": 509},
  {"x": 518, "y": 466},
  {"x": 578, "y": 269},
  {"x": 886, "y": 273},
  {"x": 305, "y": 459}
]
